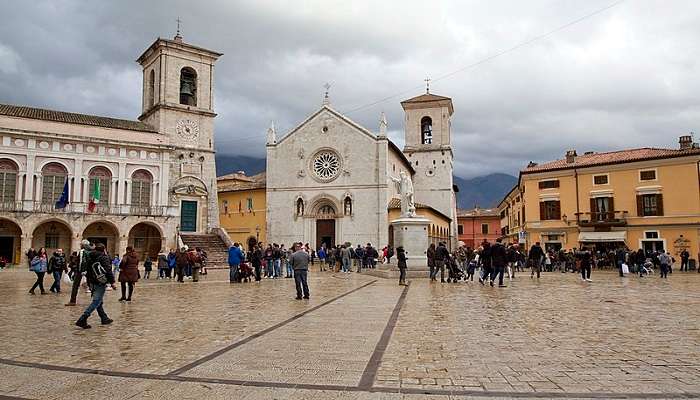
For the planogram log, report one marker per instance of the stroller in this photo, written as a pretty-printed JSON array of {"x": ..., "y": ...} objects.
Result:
[
  {"x": 647, "y": 268},
  {"x": 455, "y": 273},
  {"x": 245, "y": 271}
]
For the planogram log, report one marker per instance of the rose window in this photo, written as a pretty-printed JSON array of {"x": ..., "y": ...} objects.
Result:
[{"x": 326, "y": 165}]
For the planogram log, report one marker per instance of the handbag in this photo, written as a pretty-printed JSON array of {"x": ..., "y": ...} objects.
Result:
[
  {"x": 67, "y": 279},
  {"x": 625, "y": 269}
]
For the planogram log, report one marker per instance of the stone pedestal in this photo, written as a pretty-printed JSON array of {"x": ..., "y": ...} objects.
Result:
[{"x": 412, "y": 235}]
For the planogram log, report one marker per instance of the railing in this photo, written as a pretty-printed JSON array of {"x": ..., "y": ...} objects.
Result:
[
  {"x": 608, "y": 218},
  {"x": 84, "y": 209}
]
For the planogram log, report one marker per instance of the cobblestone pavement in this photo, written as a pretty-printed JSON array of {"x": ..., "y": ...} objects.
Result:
[{"x": 359, "y": 337}]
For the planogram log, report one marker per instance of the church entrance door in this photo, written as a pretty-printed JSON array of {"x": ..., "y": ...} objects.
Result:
[
  {"x": 325, "y": 232},
  {"x": 188, "y": 216}
]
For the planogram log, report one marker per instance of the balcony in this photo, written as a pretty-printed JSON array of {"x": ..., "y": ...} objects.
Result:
[
  {"x": 27, "y": 207},
  {"x": 602, "y": 219}
]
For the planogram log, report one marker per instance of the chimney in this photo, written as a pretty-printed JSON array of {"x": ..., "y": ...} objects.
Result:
[
  {"x": 686, "y": 142},
  {"x": 531, "y": 164},
  {"x": 570, "y": 156}
]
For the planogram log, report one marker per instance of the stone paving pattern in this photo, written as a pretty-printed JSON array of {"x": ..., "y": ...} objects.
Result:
[{"x": 558, "y": 336}]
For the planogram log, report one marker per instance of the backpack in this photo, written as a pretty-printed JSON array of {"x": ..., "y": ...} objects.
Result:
[{"x": 98, "y": 273}]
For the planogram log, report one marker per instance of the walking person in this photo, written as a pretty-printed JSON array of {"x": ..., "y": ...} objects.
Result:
[
  {"x": 430, "y": 254},
  {"x": 268, "y": 262},
  {"x": 235, "y": 257},
  {"x": 499, "y": 258},
  {"x": 162, "y": 265},
  {"x": 98, "y": 275},
  {"x": 534, "y": 258},
  {"x": 172, "y": 264},
  {"x": 181, "y": 263},
  {"x": 194, "y": 259},
  {"x": 39, "y": 266},
  {"x": 300, "y": 264},
  {"x": 345, "y": 259},
  {"x": 256, "y": 260},
  {"x": 586, "y": 260},
  {"x": 31, "y": 253},
  {"x": 276, "y": 261},
  {"x": 147, "y": 268},
  {"x": 80, "y": 269},
  {"x": 57, "y": 266},
  {"x": 401, "y": 257},
  {"x": 322, "y": 258},
  {"x": 485, "y": 261},
  {"x": 685, "y": 260},
  {"x": 442, "y": 256},
  {"x": 665, "y": 260},
  {"x": 359, "y": 257},
  {"x": 128, "y": 273}
]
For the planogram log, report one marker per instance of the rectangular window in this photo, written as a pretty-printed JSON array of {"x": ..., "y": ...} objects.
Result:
[
  {"x": 550, "y": 184},
  {"x": 460, "y": 229},
  {"x": 51, "y": 241},
  {"x": 224, "y": 207},
  {"x": 649, "y": 205},
  {"x": 250, "y": 203},
  {"x": 484, "y": 229},
  {"x": 550, "y": 210},
  {"x": 651, "y": 235},
  {"x": 104, "y": 189},
  {"x": 649, "y": 175},
  {"x": 140, "y": 193},
  {"x": 8, "y": 186},
  {"x": 600, "y": 179}
]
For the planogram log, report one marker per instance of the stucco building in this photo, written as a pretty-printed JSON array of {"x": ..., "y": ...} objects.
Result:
[
  {"x": 478, "y": 225},
  {"x": 242, "y": 207},
  {"x": 331, "y": 181},
  {"x": 126, "y": 182},
  {"x": 646, "y": 198}
]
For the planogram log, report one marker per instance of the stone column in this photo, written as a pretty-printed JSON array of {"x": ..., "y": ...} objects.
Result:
[
  {"x": 120, "y": 187},
  {"x": 29, "y": 186},
  {"x": 37, "y": 192},
  {"x": 26, "y": 244},
  {"x": 127, "y": 183}
]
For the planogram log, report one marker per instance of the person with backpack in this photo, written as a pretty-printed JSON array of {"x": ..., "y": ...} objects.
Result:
[
  {"x": 128, "y": 273},
  {"x": 98, "y": 275},
  {"x": 80, "y": 269},
  {"x": 39, "y": 266},
  {"x": 195, "y": 261},
  {"x": 57, "y": 266},
  {"x": 442, "y": 256}
]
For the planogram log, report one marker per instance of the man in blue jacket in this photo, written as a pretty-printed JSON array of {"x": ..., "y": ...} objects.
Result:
[{"x": 235, "y": 257}]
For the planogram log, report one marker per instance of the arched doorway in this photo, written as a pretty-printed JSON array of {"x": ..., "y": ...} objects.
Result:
[
  {"x": 10, "y": 241},
  {"x": 52, "y": 235},
  {"x": 146, "y": 240},
  {"x": 325, "y": 213},
  {"x": 103, "y": 232}
]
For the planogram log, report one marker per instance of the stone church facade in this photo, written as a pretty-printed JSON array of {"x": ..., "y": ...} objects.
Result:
[
  {"x": 129, "y": 182},
  {"x": 331, "y": 181}
]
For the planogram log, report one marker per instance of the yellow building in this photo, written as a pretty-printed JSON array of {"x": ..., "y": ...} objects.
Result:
[
  {"x": 512, "y": 215},
  {"x": 645, "y": 198},
  {"x": 242, "y": 205},
  {"x": 438, "y": 230}
]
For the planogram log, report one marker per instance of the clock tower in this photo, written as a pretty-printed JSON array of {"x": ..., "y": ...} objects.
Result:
[{"x": 178, "y": 102}]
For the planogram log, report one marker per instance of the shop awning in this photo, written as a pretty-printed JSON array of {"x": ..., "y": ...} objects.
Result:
[{"x": 599, "y": 237}]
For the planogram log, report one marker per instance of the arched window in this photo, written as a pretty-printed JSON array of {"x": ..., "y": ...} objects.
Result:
[
  {"x": 188, "y": 87},
  {"x": 300, "y": 207},
  {"x": 8, "y": 181},
  {"x": 426, "y": 130},
  {"x": 141, "y": 181},
  {"x": 151, "y": 88},
  {"x": 100, "y": 183},
  {"x": 53, "y": 179},
  {"x": 347, "y": 205}
]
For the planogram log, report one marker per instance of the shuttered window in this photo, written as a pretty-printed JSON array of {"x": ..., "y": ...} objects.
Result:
[
  {"x": 550, "y": 210},
  {"x": 649, "y": 205},
  {"x": 649, "y": 175},
  {"x": 550, "y": 184}
]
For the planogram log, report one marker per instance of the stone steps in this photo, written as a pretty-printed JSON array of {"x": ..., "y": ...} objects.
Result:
[{"x": 217, "y": 251}]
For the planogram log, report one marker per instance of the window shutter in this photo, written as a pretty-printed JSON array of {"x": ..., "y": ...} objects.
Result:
[
  {"x": 594, "y": 208},
  {"x": 659, "y": 204},
  {"x": 640, "y": 206},
  {"x": 540, "y": 185},
  {"x": 542, "y": 210},
  {"x": 557, "y": 210},
  {"x": 611, "y": 207}
]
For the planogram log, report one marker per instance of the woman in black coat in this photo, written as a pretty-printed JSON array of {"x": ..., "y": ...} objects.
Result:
[{"x": 401, "y": 256}]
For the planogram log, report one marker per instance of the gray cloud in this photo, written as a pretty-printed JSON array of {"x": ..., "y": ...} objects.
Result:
[{"x": 624, "y": 78}]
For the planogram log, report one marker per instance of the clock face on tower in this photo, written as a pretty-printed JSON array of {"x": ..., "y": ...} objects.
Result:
[{"x": 187, "y": 129}]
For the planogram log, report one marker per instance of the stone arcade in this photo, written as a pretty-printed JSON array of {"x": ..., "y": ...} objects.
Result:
[
  {"x": 150, "y": 179},
  {"x": 331, "y": 181}
]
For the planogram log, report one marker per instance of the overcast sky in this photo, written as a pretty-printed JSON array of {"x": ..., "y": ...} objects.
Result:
[{"x": 625, "y": 77}]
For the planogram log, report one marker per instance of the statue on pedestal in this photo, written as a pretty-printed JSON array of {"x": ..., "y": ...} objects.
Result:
[{"x": 408, "y": 206}]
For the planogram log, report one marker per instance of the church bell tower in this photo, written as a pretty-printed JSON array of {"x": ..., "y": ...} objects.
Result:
[
  {"x": 428, "y": 148},
  {"x": 178, "y": 102}
]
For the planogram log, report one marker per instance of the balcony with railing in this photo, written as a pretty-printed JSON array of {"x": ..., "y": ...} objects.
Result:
[
  {"x": 84, "y": 209},
  {"x": 602, "y": 219}
]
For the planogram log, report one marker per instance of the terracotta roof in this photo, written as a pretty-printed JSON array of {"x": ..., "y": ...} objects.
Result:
[
  {"x": 420, "y": 101},
  {"x": 478, "y": 212},
  {"x": 235, "y": 176},
  {"x": 611, "y": 157},
  {"x": 395, "y": 204},
  {"x": 258, "y": 181},
  {"x": 73, "y": 118}
]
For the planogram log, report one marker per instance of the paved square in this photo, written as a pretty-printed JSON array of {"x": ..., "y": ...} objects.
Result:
[{"x": 359, "y": 337}]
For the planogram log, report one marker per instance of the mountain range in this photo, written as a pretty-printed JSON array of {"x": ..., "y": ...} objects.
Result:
[{"x": 483, "y": 191}]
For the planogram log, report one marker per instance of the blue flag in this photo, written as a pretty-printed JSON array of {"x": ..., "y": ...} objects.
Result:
[{"x": 63, "y": 201}]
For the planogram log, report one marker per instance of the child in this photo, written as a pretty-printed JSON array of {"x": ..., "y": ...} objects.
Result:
[
  {"x": 147, "y": 266},
  {"x": 471, "y": 268},
  {"x": 115, "y": 264}
]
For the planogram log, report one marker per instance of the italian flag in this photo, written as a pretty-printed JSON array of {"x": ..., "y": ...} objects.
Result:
[{"x": 95, "y": 200}]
